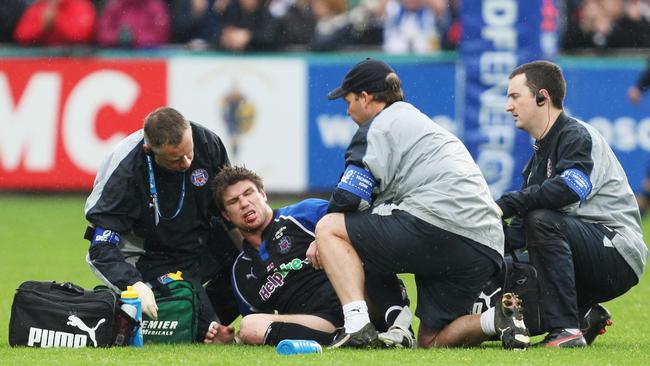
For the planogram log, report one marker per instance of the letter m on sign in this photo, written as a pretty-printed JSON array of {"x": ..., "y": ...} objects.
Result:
[{"x": 28, "y": 122}]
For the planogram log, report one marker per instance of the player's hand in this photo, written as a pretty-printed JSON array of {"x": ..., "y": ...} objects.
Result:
[
  {"x": 312, "y": 255},
  {"x": 147, "y": 299},
  {"x": 219, "y": 334}
]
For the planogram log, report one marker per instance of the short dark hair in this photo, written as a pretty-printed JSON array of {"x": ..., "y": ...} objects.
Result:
[
  {"x": 163, "y": 126},
  {"x": 393, "y": 90},
  {"x": 228, "y": 176},
  {"x": 544, "y": 75}
]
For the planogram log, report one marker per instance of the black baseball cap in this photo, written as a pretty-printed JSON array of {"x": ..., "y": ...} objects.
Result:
[{"x": 368, "y": 75}]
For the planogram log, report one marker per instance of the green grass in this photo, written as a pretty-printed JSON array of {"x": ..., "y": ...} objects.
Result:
[{"x": 40, "y": 239}]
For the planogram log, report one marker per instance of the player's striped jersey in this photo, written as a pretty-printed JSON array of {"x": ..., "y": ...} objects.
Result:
[{"x": 278, "y": 277}]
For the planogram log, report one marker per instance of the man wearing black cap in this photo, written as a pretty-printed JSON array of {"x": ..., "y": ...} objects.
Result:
[{"x": 411, "y": 200}]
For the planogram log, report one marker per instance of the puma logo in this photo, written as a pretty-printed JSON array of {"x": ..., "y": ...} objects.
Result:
[
  {"x": 251, "y": 275},
  {"x": 76, "y": 322},
  {"x": 487, "y": 298},
  {"x": 483, "y": 302}
]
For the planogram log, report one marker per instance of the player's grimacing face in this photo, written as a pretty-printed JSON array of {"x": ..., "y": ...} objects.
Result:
[{"x": 245, "y": 206}]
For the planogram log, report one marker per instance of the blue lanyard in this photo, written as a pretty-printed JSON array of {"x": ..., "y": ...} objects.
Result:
[{"x": 154, "y": 194}]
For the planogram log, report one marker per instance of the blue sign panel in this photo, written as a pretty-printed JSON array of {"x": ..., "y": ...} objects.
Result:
[
  {"x": 498, "y": 36},
  {"x": 597, "y": 94},
  {"x": 427, "y": 85}
]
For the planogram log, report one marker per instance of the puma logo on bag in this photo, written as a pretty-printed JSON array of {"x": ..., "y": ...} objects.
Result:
[
  {"x": 47, "y": 338},
  {"x": 76, "y": 322}
]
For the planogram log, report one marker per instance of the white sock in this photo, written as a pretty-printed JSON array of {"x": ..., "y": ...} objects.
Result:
[
  {"x": 487, "y": 322},
  {"x": 356, "y": 316},
  {"x": 404, "y": 318}
]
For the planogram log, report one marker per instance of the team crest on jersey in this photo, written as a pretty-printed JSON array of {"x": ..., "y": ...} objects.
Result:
[
  {"x": 549, "y": 168},
  {"x": 199, "y": 177},
  {"x": 284, "y": 245}
]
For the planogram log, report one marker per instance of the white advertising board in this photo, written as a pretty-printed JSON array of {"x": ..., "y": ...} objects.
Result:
[{"x": 256, "y": 105}]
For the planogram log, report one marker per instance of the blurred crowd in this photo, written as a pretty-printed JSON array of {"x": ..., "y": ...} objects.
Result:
[
  {"x": 234, "y": 25},
  {"x": 396, "y": 26},
  {"x": 606, "y": 24}
]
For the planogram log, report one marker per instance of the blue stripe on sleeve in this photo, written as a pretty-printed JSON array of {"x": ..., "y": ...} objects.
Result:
[
  {"x": 578, "y": 181},
  {"x": 306, "y": 212},
  {"x": 357, "y": 181}
]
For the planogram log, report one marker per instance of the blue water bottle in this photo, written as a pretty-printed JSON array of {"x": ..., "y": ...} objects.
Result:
[
  {"x": 298, "y": 346},
  {"x": 130, "y": 297}
]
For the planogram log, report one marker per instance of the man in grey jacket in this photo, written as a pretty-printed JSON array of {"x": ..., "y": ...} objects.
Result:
[
  {"x": 581, "y": 220},
  {"x": 411, "y": 200}
]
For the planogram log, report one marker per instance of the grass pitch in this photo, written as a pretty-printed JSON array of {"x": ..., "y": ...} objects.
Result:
[{"x": 41, "y": 239}]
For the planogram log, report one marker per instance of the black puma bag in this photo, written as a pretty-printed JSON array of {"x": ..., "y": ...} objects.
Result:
[{"x": 51, "y": 314}]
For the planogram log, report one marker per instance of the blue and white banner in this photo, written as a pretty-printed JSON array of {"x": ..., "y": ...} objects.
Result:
[
  {"x": 273, "y": 114},
  {"x": 498, "y": 36}
]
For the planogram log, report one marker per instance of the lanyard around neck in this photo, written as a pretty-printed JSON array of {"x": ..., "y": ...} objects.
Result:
[{"x": 154, "y": 193}]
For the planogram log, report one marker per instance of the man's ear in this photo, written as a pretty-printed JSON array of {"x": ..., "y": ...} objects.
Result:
[{"x": 146, "y": 148}]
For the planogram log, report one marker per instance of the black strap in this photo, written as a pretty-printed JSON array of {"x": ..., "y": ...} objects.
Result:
[
  {"x": 68, "y": 287},
  {"x": 90, "y": 231},
  {"x": 506, "y": 243}
]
